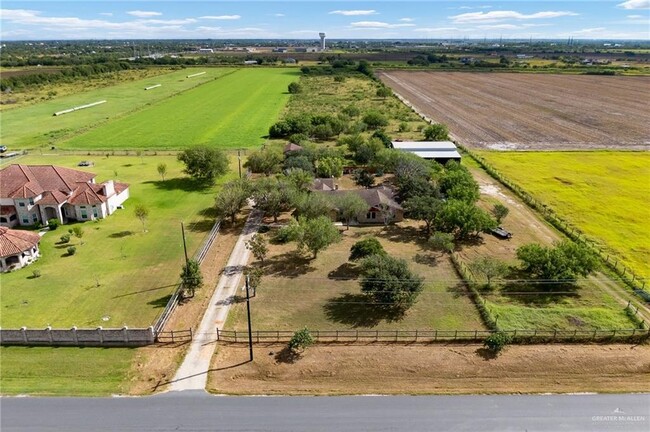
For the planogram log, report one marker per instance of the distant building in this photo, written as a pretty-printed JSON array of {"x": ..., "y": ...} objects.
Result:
[
  {"x": 250, "y": 62},
  {"x": 439, "y": 151},
  {"x": 382, "y": 208},
  {"x": 206, "y": 50}
]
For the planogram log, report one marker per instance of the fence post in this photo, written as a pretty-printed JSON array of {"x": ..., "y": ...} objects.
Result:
[
  {"x": 455, "y": 334},
  {"x": 49, "y": 333},
  {"x": 554, "y": 333},
  {"x": 395, "y": 335},
  {"x": 125, "y": 332},
  {"x": 277, "y": 336},
  {"x": 376, "y": 335},
  {"x": 235, "y": 336},
  {"x": 23, "y": 329},
  {"x": 594, "y": 336},
  {"x": 435, "y": 336},
  {"x": 357, "y": 336},
  {"x": 337, "y": 335},
  {"x": 173, "y": 340},
  {"x": 218, "y": 335},
  {"x": 101, "y": 335},
  {"x": 614, "y": 333},
  {"x": 633, "y": 332},
  {"x": 416, "y": 335},
  {"x": 192, "y": 334},
  {"x": 74, "y": 335}
]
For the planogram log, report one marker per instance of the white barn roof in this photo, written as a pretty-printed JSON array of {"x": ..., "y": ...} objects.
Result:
[
  {"x": 429, "y": 149},
  {"x": 425, "y": 145}
]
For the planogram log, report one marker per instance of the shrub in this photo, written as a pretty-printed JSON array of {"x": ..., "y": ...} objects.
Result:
[
  {"x": 301, "y": 340},
  {"x": 351, "y": 111},
  {"x": 365, "y": 248},
  {"x": 375, "y": 119},
  {"x": 436, "y": 132},
  {"x": 497, "y": 341},
  {"x": 72, "y": 250},
  {"x": 36, "y": 274},
  {"x": 404, "y": 127},
  {"x": 294, "y": 88},
  {"x": 65, "y": 238},
  {"x": 53, "y": 224}
]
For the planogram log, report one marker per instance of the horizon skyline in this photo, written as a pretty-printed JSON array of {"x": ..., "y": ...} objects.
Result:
[{"x": 26, "y": 20}]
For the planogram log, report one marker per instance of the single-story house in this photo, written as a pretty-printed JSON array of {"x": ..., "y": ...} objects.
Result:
[
  {"x": 382, "y": 207},
  {"x": 17, "y": 248},
  {"x": 30, "y": 194},
  {"x": 439, "y": 151}
]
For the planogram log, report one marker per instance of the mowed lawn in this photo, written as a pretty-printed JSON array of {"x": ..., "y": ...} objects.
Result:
[
  {"x": 324, "y": 293},
  {"x": 604, "y": 194},
  {"x": 120, "y": 275},
  {"x": 64, "y": 371},
  {"x": 36, "y": 126},
  {"x": 234, "y": 111}
]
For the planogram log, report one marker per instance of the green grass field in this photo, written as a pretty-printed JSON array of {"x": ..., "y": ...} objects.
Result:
[
  {"x": 604, "y": 194},
  {"x": 35, "y": 126},
  {"x": 324, "y": 293},
  {"x": 120, "y": 275},
  {"x": 64, "y": 371},
  {"x": 234, "y": 111}
]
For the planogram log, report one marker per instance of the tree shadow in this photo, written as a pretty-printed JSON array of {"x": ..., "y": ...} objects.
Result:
[
  {"x": 287, "y": 355},
  {"x": 426, "y": 259},
  {"x": 186, "y": 184},
  {"x": 471, "y": 240},
  {"x": 345, "y": 271},
  {"x": 121, "y": 234},
  {"x": 487, "y": 354},
  {"x": 291, "y": 264},
  {"x": 160, "y": 302},
  {"x": 209, "y": 212},
  {"x": 532, "y": 293},
  {"x": 204, "y": 225},
  {"x": 458, "y": 290},
  {"x": 402, "y": 234},
  {"x": 355, "y": 311}
]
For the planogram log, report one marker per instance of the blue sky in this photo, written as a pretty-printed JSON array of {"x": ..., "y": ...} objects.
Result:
[{"x": 581, "y": 19}]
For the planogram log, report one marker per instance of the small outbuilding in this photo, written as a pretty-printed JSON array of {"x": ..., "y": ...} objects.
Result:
[
  {"x": 17, "y": 248},
  {"x": 439, "y": 151}
]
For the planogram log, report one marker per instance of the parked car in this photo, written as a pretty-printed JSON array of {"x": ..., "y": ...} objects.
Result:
[
  {"x": 3, "y": 149},
  {"x": 501, "y": 233},
  {"x": 85, "y": 163}
]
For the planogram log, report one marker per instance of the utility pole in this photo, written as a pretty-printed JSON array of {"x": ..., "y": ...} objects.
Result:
[
  {"x": 239, "y": 160},
  {"x": 248, "y": 311},
  {"x": 184, "y": 244}
]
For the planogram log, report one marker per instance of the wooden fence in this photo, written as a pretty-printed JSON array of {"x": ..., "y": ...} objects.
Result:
[
  {"x": 430, "y": 336},
  {"x": 176, "y": 296},
  {"x": 173, "y": 336}
]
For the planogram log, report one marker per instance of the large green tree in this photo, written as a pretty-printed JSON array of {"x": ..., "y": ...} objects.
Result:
[
  {"x": 436, "y": 132},
  {"x": 204, "y": 163},
  {"x": 273, "y": 195},
  {"x": 232, "y": 198},
  {"x": 425, "y": 208},
  {"x": 316, "y": 234},
  {"x": 562, "y": 263},
  {"x": 267, "y": 161},
  {"x": 350, "y": 205},
  {"x": 463, "y": 219},
  {"x": 389, "y": 282}
]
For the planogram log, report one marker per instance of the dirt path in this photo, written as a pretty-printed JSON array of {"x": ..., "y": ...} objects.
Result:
[
  {"x": 426, "y": 369},
  {"x": 192, "y": 374}
]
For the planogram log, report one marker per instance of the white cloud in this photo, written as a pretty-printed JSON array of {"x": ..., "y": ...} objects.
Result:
[
  {"x": 589, "y": 31},
  {"x": 144, "y": 14},
  {"x": 635, "y": 4},
  {"x": 279, "y": 15},
  {"x": 496, "y": 16},
  {"x": 221, "y": 17},
  {"x": 378, "y": 25},
  {"x": 106, "y": 13},
  {"x": 436, "y": 29},
  {"x": 354, "y": 12},
  {"x": 406, "y": 19},
  {"x": 635, "y": 16}
]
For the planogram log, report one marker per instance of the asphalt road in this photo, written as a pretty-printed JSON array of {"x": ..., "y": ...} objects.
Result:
[{"x": 197, "y": 411}]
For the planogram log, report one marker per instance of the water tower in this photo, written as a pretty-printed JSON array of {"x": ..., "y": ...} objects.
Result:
[{"x": 322, "y": 41}]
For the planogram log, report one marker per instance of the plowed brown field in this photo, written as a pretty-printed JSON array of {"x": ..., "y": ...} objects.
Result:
[{"x": 532, "y": 111}]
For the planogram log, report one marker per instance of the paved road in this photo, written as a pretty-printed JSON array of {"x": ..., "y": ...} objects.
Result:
[
  {"x": 192, "y": 374},
  {"x": 197, "y": 411}
]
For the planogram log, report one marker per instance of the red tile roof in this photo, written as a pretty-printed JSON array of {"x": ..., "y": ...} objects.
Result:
[
  {"x": 28, "y": 181},
  {"x": 87, "y": 193},
  {"x": 53, "y": 197},
  {"x": 13, "y": 242}
]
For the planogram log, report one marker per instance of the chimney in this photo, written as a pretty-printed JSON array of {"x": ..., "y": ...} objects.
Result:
[{"x": 109, "y": 188}]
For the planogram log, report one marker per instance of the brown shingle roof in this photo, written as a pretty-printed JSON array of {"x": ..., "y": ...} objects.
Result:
[
  {"x": 87, "y": 193},
  {"x": 373, "y": 197},
  {"x": 323, "y": 184},
  {"x": 13, "y": 242},
  {"x": 53, "y": 197}
]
